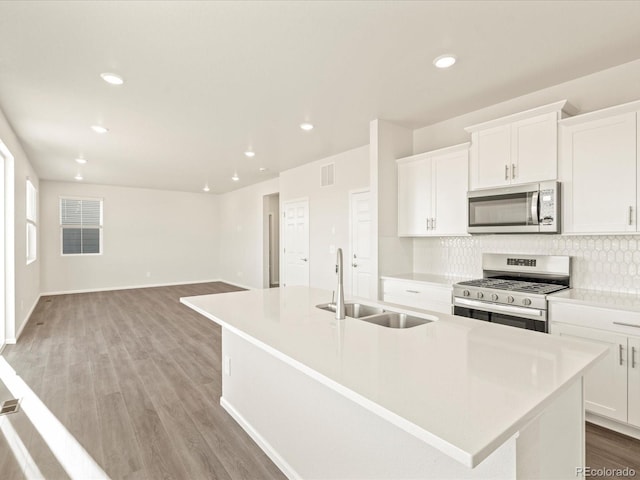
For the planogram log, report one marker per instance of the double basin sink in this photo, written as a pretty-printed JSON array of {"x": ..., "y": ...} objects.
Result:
[{"x": 377, "y": 315}]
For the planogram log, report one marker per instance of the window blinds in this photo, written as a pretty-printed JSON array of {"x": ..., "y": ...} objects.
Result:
[{"x": 81, "y": 222}]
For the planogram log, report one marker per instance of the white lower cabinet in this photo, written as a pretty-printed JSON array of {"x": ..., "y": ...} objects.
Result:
[
  {"x": 634, "y": 381},
  {"x": 606, "y": 384},
  {"x": 417, "y": 295},
  {"x": 612, "y": 386}
]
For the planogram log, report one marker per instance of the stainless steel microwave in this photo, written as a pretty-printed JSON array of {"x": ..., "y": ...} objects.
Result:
[{"x": 530, "y": 208}]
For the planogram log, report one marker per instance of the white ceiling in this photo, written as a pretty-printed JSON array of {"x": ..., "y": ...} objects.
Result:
[{"x": 207, "y": 80}]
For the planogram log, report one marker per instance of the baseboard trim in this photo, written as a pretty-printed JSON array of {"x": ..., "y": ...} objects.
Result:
[
  {"x": 623, "y": 428},
  {"x": 131, "y": 287},
  {"x": 266, "y": 447},
  {"x": 12, "y": 341},
  {"x": 236, "y": 284}
]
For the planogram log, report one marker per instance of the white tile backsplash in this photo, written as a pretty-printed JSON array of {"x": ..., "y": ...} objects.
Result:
[{"x": 598, "y": 262}]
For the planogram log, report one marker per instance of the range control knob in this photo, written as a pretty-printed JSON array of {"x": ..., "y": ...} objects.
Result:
[
  {"x": 480, "y": 295},
  {"x": 510, "y": 299},
  {"x": 526, "y": 301},
  {"x": 466, "y": 293},
  {"x": 494, "y": 297}
]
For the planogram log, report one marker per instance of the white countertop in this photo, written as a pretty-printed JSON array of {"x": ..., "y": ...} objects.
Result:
[
  {"x": 597, "y": 298},
  {"x": 427, "y": 278},
  {"x": 463, "y": 386}
]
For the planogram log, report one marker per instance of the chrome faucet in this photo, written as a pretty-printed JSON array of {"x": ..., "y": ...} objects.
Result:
[{"x": 340, "y": 311}]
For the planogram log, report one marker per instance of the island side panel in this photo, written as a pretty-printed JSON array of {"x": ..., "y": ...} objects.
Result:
[
  {"x": 311, "y": 431},
  {"x": 553, "y": 444}
]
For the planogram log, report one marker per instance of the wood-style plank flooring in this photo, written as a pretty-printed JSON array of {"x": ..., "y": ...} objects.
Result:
[
  {"x": 608, "y": 450},
  {"x": 135, "y": 377}
]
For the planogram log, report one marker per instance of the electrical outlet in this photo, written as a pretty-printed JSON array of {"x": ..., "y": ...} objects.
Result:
[{"x": 148, "y": 274}]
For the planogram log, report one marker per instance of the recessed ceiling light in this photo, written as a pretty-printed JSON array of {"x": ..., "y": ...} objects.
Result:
[
  {"x": 99, "y": 129},
  {"x": 235, "y": 177},
  {"x": 444, "y": 61},
  {"x": 249, "y": 154},
  {"x": 112, "y": 78},
  {"x": 81, "y": 161},
  {"x": 206, "y": 188},
  {"x": 306, "y": 126},
  {"x": 263, "y": 169},
  {"x": 78, "y": 177}
]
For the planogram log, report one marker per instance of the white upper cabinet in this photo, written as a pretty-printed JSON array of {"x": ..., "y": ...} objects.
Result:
[
  {"x": 415, "y": 195},
  {"x": 432, "y": 189},
  {"x": 598, "y": 171},
  {"x": 520, "y": 148}
]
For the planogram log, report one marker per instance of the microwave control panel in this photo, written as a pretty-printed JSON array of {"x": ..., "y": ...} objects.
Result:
[{"x": 547, "y": 207}]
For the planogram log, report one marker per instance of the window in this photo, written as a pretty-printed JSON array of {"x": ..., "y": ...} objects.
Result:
[
  {"x": 32, "y": 222},
  {"x": 81, "y": 226}
]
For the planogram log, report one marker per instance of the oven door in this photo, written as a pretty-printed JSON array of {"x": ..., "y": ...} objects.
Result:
[
  {"x": 527, "y": 318},
  {"x": 504, "y": 210}
]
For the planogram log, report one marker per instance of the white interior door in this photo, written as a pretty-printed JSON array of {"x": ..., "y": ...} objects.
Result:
[
  {"x": 296, "y": 243},
  {"x": 360, "y": 253}
]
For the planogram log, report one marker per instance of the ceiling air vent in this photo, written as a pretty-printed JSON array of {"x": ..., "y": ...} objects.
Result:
[{"x": 327, "y": 176}]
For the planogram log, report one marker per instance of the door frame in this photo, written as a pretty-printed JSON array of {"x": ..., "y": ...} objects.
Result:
[
  {"x": 7, "y": 251},
  {"x": 353, "y": 192},
  {"x": 283, "y": 203}
]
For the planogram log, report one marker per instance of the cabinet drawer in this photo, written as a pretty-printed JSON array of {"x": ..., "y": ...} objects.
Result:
[
  {"x": 618, "y": 321},
  {"x": 417, "y": 295}
]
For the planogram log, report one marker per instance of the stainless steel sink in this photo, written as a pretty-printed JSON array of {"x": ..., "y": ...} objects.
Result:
[
  {"x": 353, "y": 310},
  {"x": 395, "y": 320},
  {"x": 377, "y": 315}
]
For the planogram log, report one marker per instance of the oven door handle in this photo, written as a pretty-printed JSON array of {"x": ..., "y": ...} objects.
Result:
[{"x": 492, "y": 307}]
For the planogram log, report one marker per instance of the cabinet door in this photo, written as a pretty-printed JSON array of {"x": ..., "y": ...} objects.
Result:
[
  {"x": 634, "y": 381},
  {"x": 606, "y": 383},
  {"x": 600, "y": 177},
  {"x": 414, "y": 197},
  {"x": 451, "y": 174},
  {"x": 534, "y": 149},
  {"x": 491, "y": 157}
]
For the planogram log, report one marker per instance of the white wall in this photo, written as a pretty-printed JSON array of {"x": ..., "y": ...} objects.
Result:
[
  {"x": 26, "y": 288},
  {"x": 328, "y": 208},
  {"x": 171, "y": 235},
  {"x": 609, "y": 87},
  {"x": 241, "y": 229},
  {"x": 388, "y": 143}
]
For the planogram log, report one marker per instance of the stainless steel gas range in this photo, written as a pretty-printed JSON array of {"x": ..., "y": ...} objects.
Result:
[{"x": 513, "y": 290}]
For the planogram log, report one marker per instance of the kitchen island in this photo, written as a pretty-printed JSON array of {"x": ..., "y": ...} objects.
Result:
[{"x": 453, "y": 398}]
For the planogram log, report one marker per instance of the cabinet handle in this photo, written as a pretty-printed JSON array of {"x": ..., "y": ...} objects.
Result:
[
  {"x": 626, "y": 324},
  {"x": 506, "y": 172},
  {"x": 620, "y": 352},
  {"x": 633, "y": 357},
  {"x": 630, "y": 215},
  {"x": 513, "y": 170},
  {"x": 433, "y": 223},
  {"x": 413, "y": 291},
  {"x": 428, "y": 225}
]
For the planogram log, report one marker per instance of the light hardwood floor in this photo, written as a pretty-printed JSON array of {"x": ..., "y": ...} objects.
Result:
[{"x": 135, "y": 377}]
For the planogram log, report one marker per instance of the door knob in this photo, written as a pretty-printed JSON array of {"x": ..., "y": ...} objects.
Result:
[
  {"x": 354, "y": 265},
  {"x": 304, "y": 259}
]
